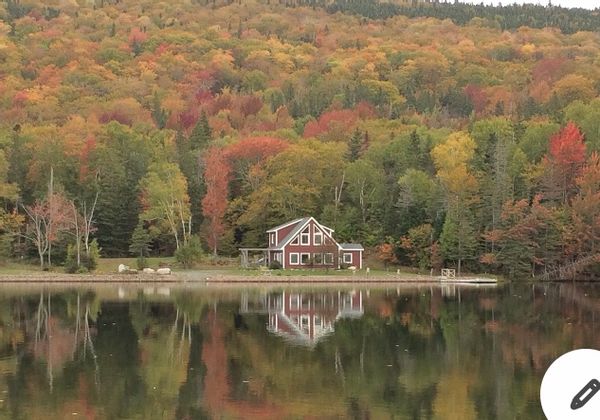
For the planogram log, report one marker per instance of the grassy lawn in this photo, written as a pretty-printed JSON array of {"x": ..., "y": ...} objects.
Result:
[
  {"x": 231, "y": 268},
  {"x": 16, "y": 268},
  {"x": 317, "y": 272}
]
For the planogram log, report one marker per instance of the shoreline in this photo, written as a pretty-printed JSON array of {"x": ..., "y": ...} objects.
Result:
[{"x": 206, "y": 278}]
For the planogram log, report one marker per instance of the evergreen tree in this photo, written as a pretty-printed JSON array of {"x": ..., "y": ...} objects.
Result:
[
  {"x": 159, "y": 114},
  {"x": 354, "y": 146},
  {"x": 190, "y": 164},
  {"x": 140, "y": 241},
  {"x": 458, "y": 239},
  {"x": 201, "y": 134}
]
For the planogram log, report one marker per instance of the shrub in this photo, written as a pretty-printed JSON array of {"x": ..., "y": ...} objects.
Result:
[
  {"x": 91, "y": 261},
  {"x": 87, "y": 262},
  {"x": 275, "y": 265},
  {"x": 71, "y": 266},
  {"x": 142, "y": 262},
  {"x": 189, "y": 254}
]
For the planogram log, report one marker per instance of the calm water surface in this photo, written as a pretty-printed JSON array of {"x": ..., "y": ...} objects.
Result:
[{"x": 176, "y": 352}]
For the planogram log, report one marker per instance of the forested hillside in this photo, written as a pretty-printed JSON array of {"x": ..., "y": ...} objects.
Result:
[{"x": 429, "y": 142}]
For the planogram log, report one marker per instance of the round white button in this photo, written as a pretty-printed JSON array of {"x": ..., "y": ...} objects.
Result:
[{"x": 571, "y": 386}]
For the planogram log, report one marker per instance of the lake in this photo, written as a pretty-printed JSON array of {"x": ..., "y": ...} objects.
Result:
[{"x": 378, "y": 352}]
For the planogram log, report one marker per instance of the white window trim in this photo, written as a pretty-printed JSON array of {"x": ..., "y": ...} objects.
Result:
[
  {"x": 305, "y": 234},
  {"x": 272, "y": 238},
  {"x": 345, "y": 255},
  {"x": 297, "y": 258},
  {"x": 303, "y": 254},
  {"x": 295, "y": 241},
  {"x": 318, "y": 233},
  {"x": 325, "y": 259}
]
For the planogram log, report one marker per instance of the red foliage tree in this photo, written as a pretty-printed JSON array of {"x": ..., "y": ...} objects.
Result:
[
  {"x": 564, "y": 162},
  {"x": 249, "y": 154},
  {"x": 477, "y": 97},
  {"x": 84, "y": 157},
  {"x": 214, "y": 204},
  {"x": 344, "y": 118},
  {"x": 136, "y": 36}
]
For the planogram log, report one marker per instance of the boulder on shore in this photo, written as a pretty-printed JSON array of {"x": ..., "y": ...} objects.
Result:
[
  {"x": 163, "y": 271},
  {"x": 148, "y": 270},
  {"x": 123, "y": 268}
]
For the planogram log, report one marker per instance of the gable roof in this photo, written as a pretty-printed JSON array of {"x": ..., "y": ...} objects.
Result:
[
  {"x": 285, "y": 225},
  {"x": 301, "y": 224},
  {"x": 352, "y": 247}
]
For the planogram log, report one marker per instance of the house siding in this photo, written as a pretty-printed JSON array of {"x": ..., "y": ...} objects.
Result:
[{"x": 356, "y": 258}]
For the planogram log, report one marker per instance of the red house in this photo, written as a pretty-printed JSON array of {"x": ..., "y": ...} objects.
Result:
[{"x": 305, "y": 243}]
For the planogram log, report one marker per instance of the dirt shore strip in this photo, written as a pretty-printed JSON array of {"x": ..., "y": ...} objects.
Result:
[
  {"x": 318, "y": 279},
  {"x": 206, "y": 278}
]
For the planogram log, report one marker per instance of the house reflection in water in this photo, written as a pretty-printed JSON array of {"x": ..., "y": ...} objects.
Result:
[{"x": 305, "y": 318}]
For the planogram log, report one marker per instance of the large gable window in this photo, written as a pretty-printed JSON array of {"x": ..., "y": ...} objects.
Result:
[
  {"x": 295, "y": 241},
  {"x": 318, "y": 237},
  {"x": 305, "y": 236}
]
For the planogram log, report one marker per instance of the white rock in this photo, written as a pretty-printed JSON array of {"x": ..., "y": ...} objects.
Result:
[
  {"x": 123, "y": 268},
  {"x": 148, "y": 270},
  {"x": 165, "y": 270},
  {"x": 353, "y": 268}
]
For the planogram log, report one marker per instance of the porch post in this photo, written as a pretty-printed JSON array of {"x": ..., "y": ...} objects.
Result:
[{"x": 244, "y": 255}]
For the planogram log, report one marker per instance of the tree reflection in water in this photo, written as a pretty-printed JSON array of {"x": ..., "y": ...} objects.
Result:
[{"x": 406, "y": 352}]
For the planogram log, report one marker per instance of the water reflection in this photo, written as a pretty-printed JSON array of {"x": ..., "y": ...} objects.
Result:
[
  {"x": 305, "y": 318},
  {"x": 171, "y": 352}
]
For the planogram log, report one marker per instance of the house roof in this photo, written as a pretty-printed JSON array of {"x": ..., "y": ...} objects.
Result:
[
  {"x": 301, "y": 224},
  {"x": 281, "y": 226},
  {"x": 352, "y": 247}
]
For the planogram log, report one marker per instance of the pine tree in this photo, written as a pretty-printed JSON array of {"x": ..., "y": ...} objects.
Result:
[
  {"x": 190, "y": 165},
  {"x": 354, "y": 146},
  {"x": 140, "y": 241},
  {"x": 201, "y": 134},
  {"x": 159, "y": 114},
  {"x": 458, "y": 238},
  {"x": 365, "y": 143}
]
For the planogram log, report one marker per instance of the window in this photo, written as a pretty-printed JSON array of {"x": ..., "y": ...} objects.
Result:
[
  {"x": 304, "y": 259},
  {"x": 318, "y": 237},
  {"x": 272, "y": 239},
  {"x": 295, "y": 241},
  {"x": 305, "y": 302},
  {"x": 318, "y": 259},
  {"x": 305, "y": 323},
  {"x": 305, "y": 236},
  {"x": 328, "y": 258},
  {"x": 294, "y": 258},
  {"x": 347, "y": 257}
]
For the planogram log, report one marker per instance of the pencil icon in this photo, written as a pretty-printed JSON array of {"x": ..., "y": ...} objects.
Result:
[{"x": 586, "y": 394}]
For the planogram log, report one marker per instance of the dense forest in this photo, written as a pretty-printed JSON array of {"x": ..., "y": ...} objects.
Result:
[
  {"x": 147, "y": 127},
  {"x": 511, "y": 16}
]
